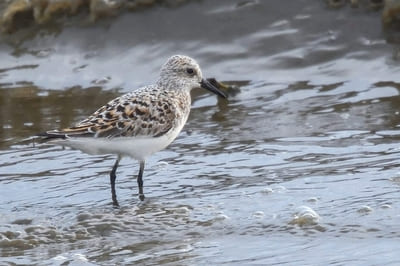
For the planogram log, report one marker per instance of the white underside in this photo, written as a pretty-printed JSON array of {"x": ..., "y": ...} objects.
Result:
[{"x": 138, "y": 148}]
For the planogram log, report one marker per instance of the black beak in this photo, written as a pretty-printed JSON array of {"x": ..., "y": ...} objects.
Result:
[{"x": 205, "y": 84}]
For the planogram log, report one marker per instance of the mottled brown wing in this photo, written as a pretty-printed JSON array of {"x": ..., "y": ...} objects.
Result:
[{"x": 129, "y": 115}]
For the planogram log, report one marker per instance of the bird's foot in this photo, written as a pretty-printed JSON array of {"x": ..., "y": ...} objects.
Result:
[
  {"x": 141, "y": 197},
  {"x": 115, "y": 202}
]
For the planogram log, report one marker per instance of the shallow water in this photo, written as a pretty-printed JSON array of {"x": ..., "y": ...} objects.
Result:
[{"x": 299, "y": 167}]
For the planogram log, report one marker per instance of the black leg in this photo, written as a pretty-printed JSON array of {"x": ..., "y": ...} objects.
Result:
[
  {"x": 140, "y": 181},
  {"x": 112, "y": 181}
]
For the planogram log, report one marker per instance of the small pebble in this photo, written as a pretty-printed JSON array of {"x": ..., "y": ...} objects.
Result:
[
  {"x": 267, "y": 190},
  {"x": 365, "y": 209},
  {"x": 313, "y": 199},
  {"x": 258, "y": 214}
]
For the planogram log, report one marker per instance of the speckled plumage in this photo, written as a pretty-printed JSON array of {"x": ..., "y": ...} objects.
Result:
[
  {"x": 148, "y": 112},
  {"x": 139, "y": 123}
]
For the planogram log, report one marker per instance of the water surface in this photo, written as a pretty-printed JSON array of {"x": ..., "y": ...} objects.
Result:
[{"x": 300, "y": 166}]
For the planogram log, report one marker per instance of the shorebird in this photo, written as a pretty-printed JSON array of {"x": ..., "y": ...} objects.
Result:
[{"x": 139, "y": 123}]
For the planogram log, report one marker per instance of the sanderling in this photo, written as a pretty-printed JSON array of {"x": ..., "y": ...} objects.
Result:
[{"x": 141, "y": 122}]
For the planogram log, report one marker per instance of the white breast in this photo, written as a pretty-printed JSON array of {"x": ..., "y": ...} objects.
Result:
[{"x": 138, "y": 148}]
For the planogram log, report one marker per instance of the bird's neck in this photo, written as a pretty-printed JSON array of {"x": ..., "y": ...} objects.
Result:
[{"x": 173, "y": 85}]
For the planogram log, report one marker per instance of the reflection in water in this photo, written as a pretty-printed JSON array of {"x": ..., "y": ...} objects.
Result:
[
  {"x": 302, "y": 160},
  {"x": 27, "y": 110}
]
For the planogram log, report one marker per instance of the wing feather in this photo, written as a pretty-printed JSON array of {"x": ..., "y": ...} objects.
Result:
[{"x": 139, "y": 113}]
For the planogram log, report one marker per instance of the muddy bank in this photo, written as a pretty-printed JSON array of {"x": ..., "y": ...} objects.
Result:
[{"x": 18, "y": 14}]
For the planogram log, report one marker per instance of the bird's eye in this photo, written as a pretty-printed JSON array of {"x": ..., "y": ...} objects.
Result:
[{"x": 190, "y": 71}]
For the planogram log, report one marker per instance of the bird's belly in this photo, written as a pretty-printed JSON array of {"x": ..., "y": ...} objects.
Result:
[{"x": 139, "y": 147}]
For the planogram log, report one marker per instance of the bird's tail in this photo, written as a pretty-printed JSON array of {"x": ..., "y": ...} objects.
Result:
[
  {"x": 50, "y": 135},
  {"x": 77, "y": 131}
]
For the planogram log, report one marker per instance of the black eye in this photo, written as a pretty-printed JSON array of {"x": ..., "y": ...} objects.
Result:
[{"x": 190, "y": 71}]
